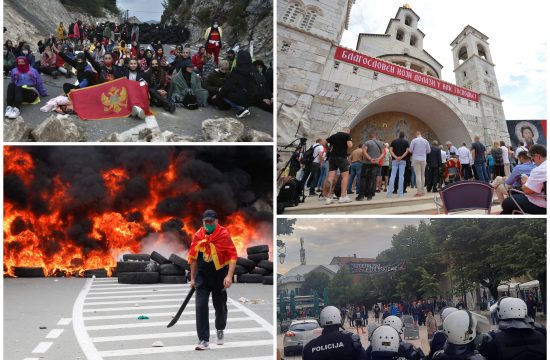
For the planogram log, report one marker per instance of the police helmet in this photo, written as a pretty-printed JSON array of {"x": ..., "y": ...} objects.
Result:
[
  {"x": 395, "y": 322},
  {"x": 510, "y": 308},
  {"x": 384, "y": 338},
  {"x": 330, "y": 315},
  {"x": 447, "y": 311},
  {"x": 460, "y": 327}
]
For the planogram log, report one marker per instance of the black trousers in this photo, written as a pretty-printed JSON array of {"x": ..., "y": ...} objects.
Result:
[
  {"x": 219, "y": 103},
  {"x": 68, "y": 87},
  {"x": 16, "y": 95},
  {"x": 432, "y": 178},
  {"x": 466, "y": 170},
  {"x": 314, "y": 177},
  {"x": 47, "y": 70},
  {"x": 368, "y": 179},
  {"x": 508, "y": 205},
  {"x": 158, "y": 99},
  {"x": 209, "y": 281}
]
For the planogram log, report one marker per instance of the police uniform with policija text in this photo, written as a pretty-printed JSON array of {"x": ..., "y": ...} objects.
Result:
[{"x": 334, "y": 344}]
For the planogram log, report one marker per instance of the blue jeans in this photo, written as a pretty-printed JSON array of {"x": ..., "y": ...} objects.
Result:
[
  {"x": 355, "y": 171},
  {"x": 481, "y": 171},
  {"x": 397, "y": 165},
  {"x": 234, "y": 106},
  {"x": 323, "y": 176},
  {"x": 413, "y": 178}
]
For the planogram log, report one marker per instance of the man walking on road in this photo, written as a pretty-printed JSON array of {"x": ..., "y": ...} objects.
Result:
[
  {"x": 419, "y": 149},
  {"x": 213, "y": 257}
]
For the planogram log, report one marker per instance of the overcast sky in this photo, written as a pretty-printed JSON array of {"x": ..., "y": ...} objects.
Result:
[
  {"x": 326, "y": 238},
  {"x": 144, "y": 10},
  {"x": 517, "y": 42}
]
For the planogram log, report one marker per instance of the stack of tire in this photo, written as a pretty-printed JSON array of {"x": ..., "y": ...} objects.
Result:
[
  {"x": 151, "y": 269},
  {"x": 256, "y": 267}
]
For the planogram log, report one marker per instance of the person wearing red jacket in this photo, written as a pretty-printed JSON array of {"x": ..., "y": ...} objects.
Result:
[
  {"x": 213, "y": 258},
  {"x": 213, "y": 38},
  {"x": 198, "y": 60}
]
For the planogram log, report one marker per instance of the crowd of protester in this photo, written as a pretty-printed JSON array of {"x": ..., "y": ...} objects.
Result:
[{"x": 95, "y": 54}]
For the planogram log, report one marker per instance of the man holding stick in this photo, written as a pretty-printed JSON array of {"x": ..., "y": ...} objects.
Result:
[{"x": 213, "y": 257}]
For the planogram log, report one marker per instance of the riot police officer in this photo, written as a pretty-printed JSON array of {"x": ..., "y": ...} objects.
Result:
[
  {"x": 460, "y": 329},
  {"x": 384, "y": 344},
  {"x": 515, "y": 338},
  {"x": 406, "y": 350},
  {"x": 439, "y": 337},
  {"x": 334, "y": 344}
]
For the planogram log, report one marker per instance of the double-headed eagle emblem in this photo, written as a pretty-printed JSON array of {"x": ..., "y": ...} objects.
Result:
[{"x": 115, "y": 100}]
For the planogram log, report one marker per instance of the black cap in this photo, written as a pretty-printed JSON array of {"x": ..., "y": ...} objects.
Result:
[
  {"x": 230, "y": 51},
  {"x": 187, "y": 63},
  {"x": 209, "y": 215}
]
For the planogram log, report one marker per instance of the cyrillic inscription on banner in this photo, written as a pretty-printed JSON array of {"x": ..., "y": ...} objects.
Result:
[
  {"x": 374, "y": 268},
  {"x": 391, "y": 69}
]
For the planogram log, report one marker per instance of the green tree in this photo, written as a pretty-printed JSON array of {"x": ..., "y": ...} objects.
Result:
[
  {"x": 315, "y": 281},
  {"x": 285, "y": 226},
  {"x": 341, "y": 287}
]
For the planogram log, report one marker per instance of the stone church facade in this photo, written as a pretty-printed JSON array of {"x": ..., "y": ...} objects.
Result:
[{"x": 389, "y": 83}]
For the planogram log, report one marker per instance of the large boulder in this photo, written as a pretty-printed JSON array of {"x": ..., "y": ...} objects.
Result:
[
  {"x": 16, "y": 130},
  {"x": 252, "y": 135},
  {"x": 57, "y": 129},
  {"x": 222, "y": 130}
]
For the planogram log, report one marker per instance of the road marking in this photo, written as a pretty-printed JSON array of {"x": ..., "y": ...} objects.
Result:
[
  {"x": 42, "y": 347},
  {"x": 183, "y": 348},
  {"x": 260, "y": 320},
  {"x": 176, "y": 306},
  {"x": 118, "y": 287},
  {"x": 31, "y": 359},
  {"x": 135, "y": 296},
  {"x": 132, "y": 301},
  {"x": 253, "y": 358},
  {"x": 64, "y": 321},
  {"x": 171, "y": 335},
  {"x": 54, "y": 333},
  {"x": 150, "y": 315},
  {"x": 152, "y": 291},
  {"x": 156, "y": 324},
  {"x": 80, "y": 332}
]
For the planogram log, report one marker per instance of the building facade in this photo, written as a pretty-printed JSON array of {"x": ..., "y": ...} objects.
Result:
[{"x": 388, "y": 84}]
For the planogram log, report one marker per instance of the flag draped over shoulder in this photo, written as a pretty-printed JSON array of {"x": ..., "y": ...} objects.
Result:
[
  {"x": 217, "y": 247},
  {"x": 113, "y": 99}
]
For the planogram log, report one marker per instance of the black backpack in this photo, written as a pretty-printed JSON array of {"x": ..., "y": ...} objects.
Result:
[
  {"x": 256, "y": 85},
  {"x": 308, "y": 157},
  {"x": 190, "y": 102}
]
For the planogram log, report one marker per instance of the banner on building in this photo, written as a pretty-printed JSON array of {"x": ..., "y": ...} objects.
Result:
[
  {"x": 388, "y": 68},
  {"x": 527, "y": 131},
  {"x": 375, "y": 268}
]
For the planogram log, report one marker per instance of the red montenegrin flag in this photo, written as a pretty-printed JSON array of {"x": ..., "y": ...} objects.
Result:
[{"x": 113, "y": 99}]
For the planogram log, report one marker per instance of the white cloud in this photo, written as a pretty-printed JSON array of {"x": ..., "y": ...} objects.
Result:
[{"x": 517, "y": 39}]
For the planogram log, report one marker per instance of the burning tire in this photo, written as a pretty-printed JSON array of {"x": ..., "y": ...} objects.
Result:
[
  {"x": 250, "y": 279},
  {"x": 179, "y": 261},
  {"x": 267, "y": 280},
  {"x": 239, "y": 270},
  {"x": 136, "y": 257},
  {"x": 131, "y": 266},
  {"x": 173, "y": 279},
  {"x": 171, "y": 269},
  {"x": 258, "y": 257},
  {"x": 28, "y": 271},
  {"x": 266, "y": 264},
  {"x": 98, "y": 273},
  {"x": 247, "y": 264},
  {"x": 138, "y": 278},
  {"x": 257, "y": 249},
  {"x": 260, "y": 271},
  {"x": 159, "y": 258}
]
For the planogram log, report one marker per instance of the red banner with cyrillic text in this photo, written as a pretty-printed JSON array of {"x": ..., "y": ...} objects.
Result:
[{"x": 384, "y": 67}]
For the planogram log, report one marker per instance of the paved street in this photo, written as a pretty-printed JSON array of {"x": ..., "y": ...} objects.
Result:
[{"x": 98, "y": 319}]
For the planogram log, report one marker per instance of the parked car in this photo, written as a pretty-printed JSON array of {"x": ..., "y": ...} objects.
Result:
[{"x": 299, "y": 333}]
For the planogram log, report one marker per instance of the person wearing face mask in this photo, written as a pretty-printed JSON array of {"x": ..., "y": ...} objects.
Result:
[
  {"x": 26, "y": 52},
  {"x": 109, "y": 70},
  {"x": 84, "y": 72},
  {"x": 25, "y": 86},
  {"x": 156, "y": 79},
  {"x": 145, "y": 60},
  {"x": 212, "y": 257},
  {"x": 213, "y": 38},
  {"x": 159, "y": 55},
  {"x": 9, "y": 61}
]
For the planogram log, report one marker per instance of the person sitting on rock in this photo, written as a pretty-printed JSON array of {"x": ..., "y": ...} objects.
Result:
[
  {"x": 26, "y": 86},
  {"x": 156, "y": 79},
  {"x": 84, "y": 72},
  {"x": 186, "y": 82},
  {"x": 214, "y": 82}
]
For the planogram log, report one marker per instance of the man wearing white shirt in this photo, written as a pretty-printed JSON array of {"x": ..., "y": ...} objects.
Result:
[
  {"x": 419, "y": 149},
  {"x": 505, "y": 158},
  {"x": 464, "y": 157},
  {"x": 534, "y": 186},
  {"x": 521, "y": 147},
  {"x": 450, "y": 149}
]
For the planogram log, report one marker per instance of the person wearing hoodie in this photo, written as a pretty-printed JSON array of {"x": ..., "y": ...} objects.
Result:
[
  {"x": 156, "y": 79},
  {"x": 213, "y": 38},
  {"x": 84, "y": 72},
  {"x": 26, "y": 52},
  {"x": 25, "y": 86},
  {"x": 214, "y": 82},
  {"x": 61, "y": 32},
  {"x": 9, "y": 60},
  {"x": 185, "y": 82},
  {"x": 240, "y": 89},
  {"x": 109, "y": 70}
]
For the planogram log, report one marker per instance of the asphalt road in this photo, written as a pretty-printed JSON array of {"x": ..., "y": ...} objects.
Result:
[
  {"x": 98, "y": 319},
  {"x": 183, "y": 122}
]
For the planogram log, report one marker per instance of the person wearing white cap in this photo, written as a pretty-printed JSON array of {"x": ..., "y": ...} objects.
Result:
[
  {"x": 439, "y": 338},
  {"x": 406, "y": 350},
  {"x": 460, "y": 329},
  {"x": 384, "y": 343}
]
